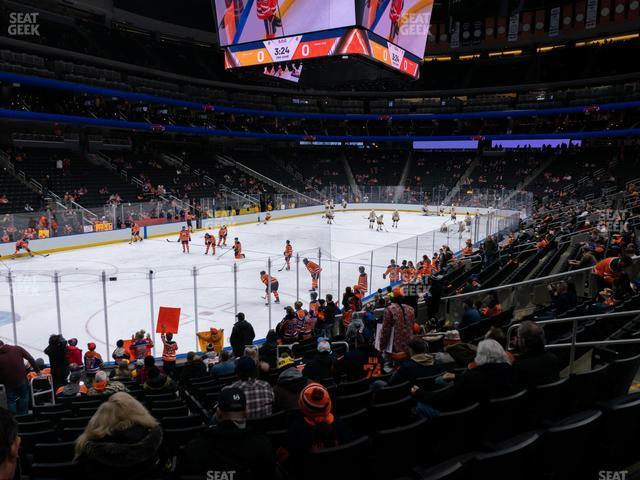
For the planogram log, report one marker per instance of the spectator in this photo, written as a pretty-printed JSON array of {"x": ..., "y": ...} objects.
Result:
[
  {"x": 362, "y": 362},
  {"x": 121, "y": 440},
  {"x": 268, "y": 350},
  {"x": 323, "y": 363},
  {"x": 470, "y": 315},
  {"x": 169, "y": 349},
  {"x": 608, "y": 270},
  {"x": 141, "y": 344},
  {"x": 397, "y": 329},
  {"x": 122, "y": 371},
  {"x": 13, "y": 376},
  {"x": 226, "y": 365},
  {"x": 9, "y": 445},
  {"x": 492, "y": 377},
  {"x": 193, "y": 368},
  {"x": 241, "y": 335},
  {"x": 229, "y": 446},
  {"x": 533, "y": 363},
  {"x": 74, "y": 354},
  {"x": 57, "y": 352},
  {"x": 287, "y": 390},
  {"x": 158, "y": 382},
  {"x": 74, "y": 388},
  {"x": 490, "y": 249},
  {"x": 92, "y": 360},
  {"x": 316, "y": 429},
  {"x": 420, "y": 364},
  {"x": 259, "y": 393},
  {"x": 142, "y": 367},
  {"x": 103, "y": 386}
]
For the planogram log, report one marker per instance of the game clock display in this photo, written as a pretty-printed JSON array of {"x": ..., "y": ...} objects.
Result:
[{"x": 344, "y": 41}]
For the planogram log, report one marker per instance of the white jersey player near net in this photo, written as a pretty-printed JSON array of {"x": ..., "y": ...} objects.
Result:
[
  {"x": 372, "y": 218},
  {"x": 344, "y": 204},
  {"x": 380, "y": 222},
  {"x": 395, "y": 218}
]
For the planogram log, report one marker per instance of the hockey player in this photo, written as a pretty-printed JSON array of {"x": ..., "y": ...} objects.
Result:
[
  {"x": 237, "y": 249},
  {"x": 222, "y": 236},
  {"x": 231, "y": 17},
  {"x": 314, "y": 270},
  {"x": 392, "y": 271},
  {"x": 395, "y": 218},
  {"x": 453, "y": 214},
  {"x": 288, "y": 253},
  {"x": 332, "y": 206},
  {"x": 329, "y": 214},
  {"x": 363, "y": 281},
  {"x": 267, "y": 217},
  {"x": 22, "y": 245},
  {"x": 266, "y": 279},
  {"x": 380, "y": 222},
  {"x": 184, "y": 238},
  {"x": 189, "y": 218},
  {"x": 135, "y": 234},
  {"x": 395, "y": 13},
  {"x": 372, "y": 218},
  {"x": 267, "y": 12},
  {"x": 344, "y": 204},
  {"x": 210, "y": 242},
  {"x": 425, "y": 209}
]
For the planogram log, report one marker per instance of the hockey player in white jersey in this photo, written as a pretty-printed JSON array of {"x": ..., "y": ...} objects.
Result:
[
  {"x": 329, "y": 214},
  {"x": 395, "y": 218},
  {"x": 372, "y": 218},
  {"x": 380, "y": 222},
  {"x": 344, "y": 204}
]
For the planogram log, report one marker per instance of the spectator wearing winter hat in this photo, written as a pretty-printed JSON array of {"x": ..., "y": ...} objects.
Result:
[
  {"x": 92, "y": 360},
  {"x": 316, "y": 429},
  {"x": 57, "y": 352},
  {"x": 103, "y": 386},
  {"x": 230, "y": 445},
  {"x": 268, "y": 350},
  {"x": 287, "y": 389},
  {"x": 74, "y": 354},
  {"x": 420, "y": 364},
  {"x": 258, "y": 392}
]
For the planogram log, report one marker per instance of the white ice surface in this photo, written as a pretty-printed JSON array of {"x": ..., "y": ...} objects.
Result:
[{"x": 128, "y": 300}]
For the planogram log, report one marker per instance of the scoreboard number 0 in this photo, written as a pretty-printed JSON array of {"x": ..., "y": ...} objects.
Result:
[
  {"x": 305, "y": 50},
  {"x": 260, "y": 56}
]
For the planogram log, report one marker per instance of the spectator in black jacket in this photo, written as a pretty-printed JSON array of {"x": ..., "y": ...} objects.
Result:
[
  {"x": 492, "y": 377},
  {"x": 241, "y": 335},
  {"x": 230, "y": 445},
  {"x": 420, "y": 364},
  {"x": 193, "y": 368},
  {"x": 533, "y": 364},
  {"x": 363, "y": 362},
  {"x": 268, "y": 350},
  {"x": 57, "y": 352}
]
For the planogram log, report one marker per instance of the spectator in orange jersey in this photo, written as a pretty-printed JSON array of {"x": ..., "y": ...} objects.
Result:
[
  {"x": 492, "y": 306},
  {"x": 608, "y": 270},
  {"x": 392, "y": 271}
]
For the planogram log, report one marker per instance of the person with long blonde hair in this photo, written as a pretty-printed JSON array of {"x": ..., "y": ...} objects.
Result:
[{"x": 122, "y": 434}]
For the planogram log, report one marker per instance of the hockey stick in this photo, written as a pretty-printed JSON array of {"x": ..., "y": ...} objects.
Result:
[
  {"x": 285, "y": 264},
  {"x": 218, "y": 258},
  {"x": 43, "y": 255},
  {"x": 280, "y": 16}
]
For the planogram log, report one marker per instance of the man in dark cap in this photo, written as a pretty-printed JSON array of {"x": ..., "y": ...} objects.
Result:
[
  {"x": 230, "y": 446},
  {"x": 258, "y": 393}
]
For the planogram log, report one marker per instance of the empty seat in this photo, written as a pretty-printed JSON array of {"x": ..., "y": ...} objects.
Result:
[
  {"x": 76, "y": 422},
  {"x": 619, "y": 378},
  {"x": 512, "y": 459},
  {"x": 395, "y": 450},
  {"x": 275, "y": 421},
  {"x": 449, "y": 470},
  {"x": 350, "y": 388},
  {"x": 620, "y": 432},
  {"x": 69, "y": 434},
  {"x": 170, "y": 412},
  {"x": 28, "y": 440},
  {"x": 452, "y": 431},
  {"x": 503, "y": 417},
  {"x": 391, "y": 393},
  {"x": 358, "y": 421},
  {"x": 577, "y": 431},
  {"x": 392, "y": 414},
  {"x": 53, "y": 452},
  {"x": 337, "y": 460},
  {"x": 181, "y": 422},
  {"x": 549, "y": 401},
  {"x": 347, "y": 404},
  {"x": 585, "y": 387},
  {"x": 176, "y": 437},
  {"x": 37, "y": 426}
]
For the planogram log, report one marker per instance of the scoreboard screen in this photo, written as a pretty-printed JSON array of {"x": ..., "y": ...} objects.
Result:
[
  {"x": 242, "y": 21},
  {"x": 340, "y": 42},
  {"x": 263, "y": 32}
]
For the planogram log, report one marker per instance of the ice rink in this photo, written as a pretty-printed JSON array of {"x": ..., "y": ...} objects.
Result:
[{"x": 344, "y": 246}]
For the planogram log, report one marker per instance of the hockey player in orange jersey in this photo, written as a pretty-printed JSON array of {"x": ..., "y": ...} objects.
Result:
[
  {"x": 363, "y": 282},
  {"x": 184, "y": 238},
  {"x": 237, "y": 249},
  {"x": 266, "y": 279},
  {"x": 314, "y": 270},
  {"x": 222, "y": 236},
  {"x": 210, "y": 243},
  {"x": 288, "y": 253}
]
